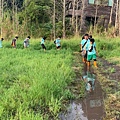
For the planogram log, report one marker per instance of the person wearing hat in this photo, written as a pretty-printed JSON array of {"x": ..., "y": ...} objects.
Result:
[
  {"x": 14, "y": 42},
  {"x": 85, "y": 40},
  {"x": 1, "y": 42},
  {"x": 26, "y": 42}
]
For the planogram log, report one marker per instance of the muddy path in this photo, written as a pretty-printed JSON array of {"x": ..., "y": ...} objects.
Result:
[
  {"x": 109, "y": 78},
  {"x": 92, "y": 106},
  {"x": 109, "y": 70},
  {"x": 103, "y": 103}
]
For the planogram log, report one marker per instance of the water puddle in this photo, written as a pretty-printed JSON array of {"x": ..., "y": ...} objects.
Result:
[{"x": 90, "y": 108}]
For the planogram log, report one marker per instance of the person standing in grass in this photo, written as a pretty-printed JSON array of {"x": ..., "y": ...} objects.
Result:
[
  {"x": 26, "y": 42},
  {"x": 43, "y": 43},
  {"x": 85, "y": 40},
  {"x": 14, "y": 42},
  {"x": 91, "y": 54},
  {"x": 1, "y": 42},
  {"x": 58, "y": 43}
]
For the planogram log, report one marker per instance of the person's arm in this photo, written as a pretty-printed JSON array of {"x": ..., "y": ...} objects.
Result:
[
  {"x": 81, "y": 47},
  {"x": 95, "y": 48}
]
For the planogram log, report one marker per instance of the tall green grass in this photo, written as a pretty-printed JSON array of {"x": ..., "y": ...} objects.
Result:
[
  {"x": 34, "y": 82},
  {"x": 108, "y": 47}
]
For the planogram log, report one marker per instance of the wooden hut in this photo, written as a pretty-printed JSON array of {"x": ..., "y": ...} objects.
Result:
[{"x": 91, "y": 12}]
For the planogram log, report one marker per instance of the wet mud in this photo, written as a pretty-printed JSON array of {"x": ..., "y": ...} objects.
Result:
[
  {"x": 92, "y": 106},
  {"x": 109, "y": 70}
]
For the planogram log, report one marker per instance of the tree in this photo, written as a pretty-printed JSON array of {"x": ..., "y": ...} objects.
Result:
[
  {"x": 76, "y": 31},
  {"x": 73, "y": 16},
  {"x": 82, "y": 23},
  {"x": 119, "y": 18},
  {"x": 116, "y": 17},
  {"x": 64, "y": 18},
  {"x": 111, "y": 12},
  {"x": 1, "y": 16},
  {"x": 54, "y": 21}
]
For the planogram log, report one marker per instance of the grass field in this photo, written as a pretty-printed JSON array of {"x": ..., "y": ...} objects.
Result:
[
  {"x": 109, "y": 49},
  {"x": 33, "y": 82}
]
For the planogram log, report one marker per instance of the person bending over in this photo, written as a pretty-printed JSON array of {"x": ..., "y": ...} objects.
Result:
[{"x": 14, "y": 42}]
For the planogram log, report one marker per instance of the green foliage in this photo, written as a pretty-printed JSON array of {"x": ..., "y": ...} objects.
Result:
[
  {"x": 33, "y": 81},
  {"x": 82, "y": 90},
  {"x": 68, "y": 95},
  {"x": 108, "y": 47}
]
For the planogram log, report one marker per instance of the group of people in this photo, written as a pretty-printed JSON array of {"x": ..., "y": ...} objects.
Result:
[
  {"x": 88, "y": 50},
  {"x": 13, "y": 43},
  {"x": 87, "y": 46},
  {"x": 26, "y": 42},
  {"x": 57, "y": 42}
]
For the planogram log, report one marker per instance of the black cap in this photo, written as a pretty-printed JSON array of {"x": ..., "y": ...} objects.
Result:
[
  {"x": 28, "y": 37},
  {"x": 44, "y": 37},
  {"x": 2, "y": 38},
  {"x": 86, "y": 35},
  {"x": 92, "y": 40},
  {"x": 16, "y": 37}
]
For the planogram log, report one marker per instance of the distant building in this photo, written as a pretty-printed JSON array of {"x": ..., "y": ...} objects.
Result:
[{"x": 94, "y": 10}]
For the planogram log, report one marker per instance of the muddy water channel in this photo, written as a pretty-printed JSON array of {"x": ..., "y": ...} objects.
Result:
[{"x": 92, "y": 106}]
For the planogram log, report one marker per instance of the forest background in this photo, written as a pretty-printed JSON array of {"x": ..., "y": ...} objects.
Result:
[{"x": 45, "y": 17}]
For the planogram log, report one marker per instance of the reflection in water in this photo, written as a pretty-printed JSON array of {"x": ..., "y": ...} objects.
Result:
[
  {"x": 90, "y": 81},
  {"x": 92, "y": 107}
]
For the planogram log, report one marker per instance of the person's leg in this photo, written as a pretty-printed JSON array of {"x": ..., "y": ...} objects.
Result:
[
  {"x": 24, "y": 45},
  {"x": 88, "y": 65},
  {"x": 58, "y": 47},
  {"x": 85, "y": 58},
  {"x": 89, "y": 58},
  {"x": 95, "y": 61},
  {"x": 44, "y": 48}
]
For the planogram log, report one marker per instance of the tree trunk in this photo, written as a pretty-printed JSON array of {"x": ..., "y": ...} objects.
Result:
[
  {"x": 73, "y": 15},
  {"x": 116, "y": 18},
  {"x": 119, "y": 18},
  {"x": 25, "y": 20},
  {"x": 13, "y": 11},
  {"x": 77, "y": 21},
  {"x": 54, "y": 22},
  {"x": 64, "y": 9},
  {"x": 96, "y": 13},
  {"x": 1, "y": 17},
  {"x": 16, "y": 18},
  {"x": 83, "y": 15},
  {"x": 111, "y": 12}
]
